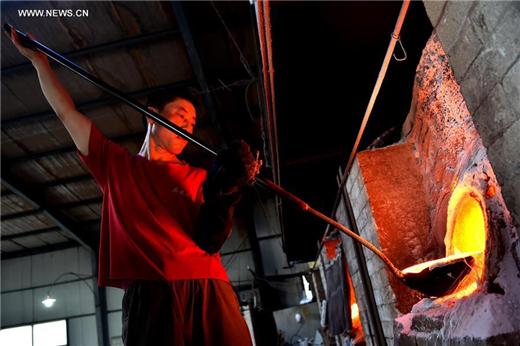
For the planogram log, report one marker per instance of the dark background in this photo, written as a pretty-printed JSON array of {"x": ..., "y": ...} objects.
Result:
[{"x": 327, "y": 57}]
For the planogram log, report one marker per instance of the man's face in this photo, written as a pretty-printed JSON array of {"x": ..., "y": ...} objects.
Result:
[{"x": 180, "y": 112}]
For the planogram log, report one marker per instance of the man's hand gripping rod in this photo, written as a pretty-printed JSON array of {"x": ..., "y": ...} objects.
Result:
[{"x": 263, "y": 182}]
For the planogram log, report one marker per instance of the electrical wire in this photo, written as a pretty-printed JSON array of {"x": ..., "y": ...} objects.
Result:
[
  {"x": 233, "y": 255},
  {"x": 243, "y": 60},
  {"x": 296, "y": 334},
  {"x": 225, "y": 86},
  {"x": 386, "y": 61},
  {"x": 82, "y": 277}
]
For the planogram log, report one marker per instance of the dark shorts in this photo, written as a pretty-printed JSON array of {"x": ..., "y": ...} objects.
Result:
[{"x": 182, "y": 313}]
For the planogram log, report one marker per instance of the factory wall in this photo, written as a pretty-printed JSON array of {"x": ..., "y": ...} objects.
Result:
[{"x": 26, "y": 281}]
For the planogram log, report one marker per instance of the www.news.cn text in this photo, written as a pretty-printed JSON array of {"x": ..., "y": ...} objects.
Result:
[{"x": 53, "y": 13}]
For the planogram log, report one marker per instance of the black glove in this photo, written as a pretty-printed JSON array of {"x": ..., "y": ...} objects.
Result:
[{"x": 232, "y": 169}]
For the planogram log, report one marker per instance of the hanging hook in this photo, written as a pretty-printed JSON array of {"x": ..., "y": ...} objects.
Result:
[{"x": 398, "y": 38}]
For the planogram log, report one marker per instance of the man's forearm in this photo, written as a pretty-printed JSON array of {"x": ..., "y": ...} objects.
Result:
[{"x": 57, "y": 96}]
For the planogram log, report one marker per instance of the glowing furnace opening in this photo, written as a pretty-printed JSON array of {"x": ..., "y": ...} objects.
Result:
[{"x": 467, "y": 233}]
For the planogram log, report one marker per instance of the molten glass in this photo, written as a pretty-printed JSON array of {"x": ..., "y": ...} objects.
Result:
[
  {"x": 465, "y": 245},
  {"x": 467, "y": 233},
  {"x": 438, "y": 262},
  {"x": 354, "y": 311}
]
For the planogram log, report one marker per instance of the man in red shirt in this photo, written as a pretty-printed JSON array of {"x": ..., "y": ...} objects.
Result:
[{"x": 163, "y": 222}]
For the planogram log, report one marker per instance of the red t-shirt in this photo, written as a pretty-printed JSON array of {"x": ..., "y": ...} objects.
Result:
[{"x": 148, "y": 218}]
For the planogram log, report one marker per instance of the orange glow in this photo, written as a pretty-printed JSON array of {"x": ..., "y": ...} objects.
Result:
[
  {"x": 490, "y": 193},
  {"x": 356, "y": 332},
  {"x": 354, "y": 311},
  {"x": 467, "y": 234},
  {"x": 430, "y": 264},
  {"x": 330, "y": 246}
]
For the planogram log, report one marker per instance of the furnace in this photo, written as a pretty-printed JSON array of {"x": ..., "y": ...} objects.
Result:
[{"x": 434, "y": 195}]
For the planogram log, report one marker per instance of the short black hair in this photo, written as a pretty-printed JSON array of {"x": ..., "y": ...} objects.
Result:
[{"x": 161, "y": 97}]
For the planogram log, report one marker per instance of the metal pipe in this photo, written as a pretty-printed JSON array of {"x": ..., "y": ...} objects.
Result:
[
  {"x": 277, "y": 190},
  {"x": 366, "y": 282},
  {"x": 274, "y": 123},
  {"x": 97, "y": 103},
  {"x": 268, "y": 76},
  {"x": 420, "y": 281},
  {"x": 306, "y": 208},
  {"x": 111, "y": 90},
  {"x": 102, "y": 47},
  {"x": 375, "y": 92},
  {"x": 262, "y": 9}
]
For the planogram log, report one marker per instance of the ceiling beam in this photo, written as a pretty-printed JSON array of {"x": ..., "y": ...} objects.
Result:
[
  {"x": 21, "y": 189},
  {"x": 65, "y": 181},
  {"x": 235, "y": 21},
  {"x": 30, "y": 233},
  {"x": 7, "y": 193},
  {"x": 62, "y": 206},
  {"x": 71, "y": 180},
  {"x": 21, "y": 214},
  {"x": 203, "y": 123},
  {"x": 187, "y": 37},
  {"x": 96, "y": 103},
  {"x": 39, "y": 250},
  {"x": 119, "y": 139},
  {"x": 102, "y": 47},
  {"x": 47, "y": 230},
  {"x": 80, "y": 203},
  {"x": 36, "y": 156}
]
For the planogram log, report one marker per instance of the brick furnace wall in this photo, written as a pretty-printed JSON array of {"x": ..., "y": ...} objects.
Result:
[{"x": 482, "y": 42}]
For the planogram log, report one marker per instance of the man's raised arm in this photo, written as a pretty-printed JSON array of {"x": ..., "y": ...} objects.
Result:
[{"x": 77, "y": 124}]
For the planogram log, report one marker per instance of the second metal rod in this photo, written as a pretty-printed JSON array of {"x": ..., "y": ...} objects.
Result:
[{"x": 265, "y": 183}]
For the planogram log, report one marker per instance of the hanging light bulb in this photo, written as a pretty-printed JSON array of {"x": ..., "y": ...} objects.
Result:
[{"x": 48, "y": 302}]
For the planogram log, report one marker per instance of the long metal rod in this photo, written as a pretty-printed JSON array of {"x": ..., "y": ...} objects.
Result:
[
  {"x": 97, "y": 103},
  {"x": 306, "y": 208},
  {"x": 366, "y": 282},
  {"x": 267, "y": 47},
  {"x": 265, "y": 183},
  {"x": 66, "y": 150},
  {"x": 103, "y": 47},
  {"x": 259, "y": 7},
  {"x": 377, "y": 87},
  {"x": 373, "y": 97},
  {"x": 111, "y": 90},
  {"x": 262, "y": 10}
]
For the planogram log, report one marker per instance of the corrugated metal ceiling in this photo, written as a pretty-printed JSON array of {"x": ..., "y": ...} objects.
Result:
[{"x": 37, "y": 152}]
